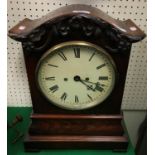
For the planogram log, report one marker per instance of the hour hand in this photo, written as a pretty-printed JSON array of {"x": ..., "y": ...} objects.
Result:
[
  {"x": 95, "y": 83},
  {"x": 87, "y": 85},
  {"x": 77, "y": 78},
  {"x": 98, "y": 86}
]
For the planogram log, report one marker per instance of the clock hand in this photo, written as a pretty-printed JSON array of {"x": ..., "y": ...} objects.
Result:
[
  {"x": 87, "y": 85},
  {"x": 77, "y": 78},
  {"x": 97, "y": 85}
]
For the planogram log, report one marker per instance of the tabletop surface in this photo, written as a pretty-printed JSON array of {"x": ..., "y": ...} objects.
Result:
[{"x": 18, "y": 148}]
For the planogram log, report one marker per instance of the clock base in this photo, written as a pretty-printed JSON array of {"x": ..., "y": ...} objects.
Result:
[
  {"x": 37, "y": 143},
  {"x": 75, "y": 132}
]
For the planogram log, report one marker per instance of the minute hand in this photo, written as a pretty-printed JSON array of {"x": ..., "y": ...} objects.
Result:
[
  {"x": 97, "y": 83},
  {"x": 86, "y": 85}
]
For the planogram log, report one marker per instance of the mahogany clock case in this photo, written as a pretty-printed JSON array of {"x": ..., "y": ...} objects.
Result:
[
  {"x": 97, "y": 127},
  {"x": 68, "y": 24}
]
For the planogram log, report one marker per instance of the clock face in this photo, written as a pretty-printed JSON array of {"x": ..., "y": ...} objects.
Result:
[{"x": 76, "y": 75}]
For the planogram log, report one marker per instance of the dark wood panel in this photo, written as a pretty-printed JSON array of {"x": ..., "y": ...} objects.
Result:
[
  {"x": 36, "y": 143},
  {"x": 54, "y": 116},
  {"x": 76, "y": 125}
]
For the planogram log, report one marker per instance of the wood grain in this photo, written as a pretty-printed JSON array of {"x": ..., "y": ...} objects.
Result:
[{"x": 36, "y": 143}]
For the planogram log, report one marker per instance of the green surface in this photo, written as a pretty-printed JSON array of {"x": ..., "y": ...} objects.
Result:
[{"x": 18, "y": 149}]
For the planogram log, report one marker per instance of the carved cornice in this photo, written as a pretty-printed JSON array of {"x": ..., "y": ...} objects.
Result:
[{"x": 73, "y": 28}]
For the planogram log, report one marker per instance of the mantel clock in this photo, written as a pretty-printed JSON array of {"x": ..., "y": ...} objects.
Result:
[{"x": 76, "y": 60}]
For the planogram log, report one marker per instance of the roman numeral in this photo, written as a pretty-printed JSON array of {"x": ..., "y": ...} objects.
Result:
[
  {"x": 64, "y": 96},
  {"x": 50, "y": 78},
  {"x": 103, "y": 78},
  {"x": 100, "y": 66},
  {"x": 90, "y": 97},
  {"x": 61, "y": 54},
  {"x": 52, "y": 65},
  {"x": 54, "y": 88},
  {"x": 99, "y": 88},
  {"x": 91, "y": 56},
  {"x": 76, "y": 99},
  {"x": 77, "y": 52}
]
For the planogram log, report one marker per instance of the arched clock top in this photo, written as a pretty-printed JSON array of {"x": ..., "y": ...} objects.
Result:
[{"x": 77, "y": 22}]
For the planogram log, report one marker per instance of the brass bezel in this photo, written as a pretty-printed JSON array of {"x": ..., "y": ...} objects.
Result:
[{"x": 72, "y": 43}]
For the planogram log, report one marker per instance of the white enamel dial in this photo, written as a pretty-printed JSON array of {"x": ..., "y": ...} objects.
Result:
[{"x": 76, "y": 75}]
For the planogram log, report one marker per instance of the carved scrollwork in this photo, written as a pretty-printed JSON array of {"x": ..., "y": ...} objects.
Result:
[
  {"x": 117, "y": 42},
  {"x": 77, "y": 26},
  {"x": 38, "y": 39}
]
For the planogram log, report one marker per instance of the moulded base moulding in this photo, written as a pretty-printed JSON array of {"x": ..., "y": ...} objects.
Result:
[{"x": 37, "y": 143}]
